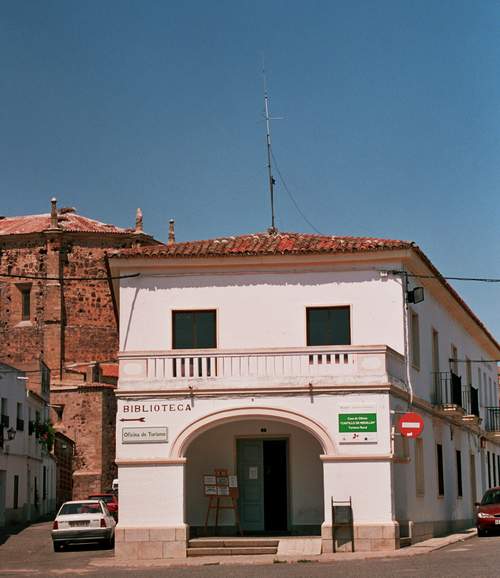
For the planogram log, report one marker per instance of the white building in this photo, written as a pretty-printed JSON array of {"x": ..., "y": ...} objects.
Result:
[
  {"x": 27, "y": 471},
  {"x": 288, "y": 359}
]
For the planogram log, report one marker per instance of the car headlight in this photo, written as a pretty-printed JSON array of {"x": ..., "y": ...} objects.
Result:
[{"x": 484, "y": 515}]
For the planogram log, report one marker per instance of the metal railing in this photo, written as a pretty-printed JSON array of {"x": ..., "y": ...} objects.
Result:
[
  {"x": 492, "y": 419},
  {"x": 449, "y": 391}
]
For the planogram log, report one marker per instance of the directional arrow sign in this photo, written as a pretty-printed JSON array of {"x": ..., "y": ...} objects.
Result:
[
  {"x": 141, "y": 419},
  {"x": 410, "y": 425}
]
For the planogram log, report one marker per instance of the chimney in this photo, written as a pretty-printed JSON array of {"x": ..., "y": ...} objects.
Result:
[
  {"x": 53, "y": 213},
  {"x": 171, "y": 232},
  {"x": 138, "y": 222}
]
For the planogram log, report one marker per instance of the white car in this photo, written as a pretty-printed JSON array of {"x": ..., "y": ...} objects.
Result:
[{"x": 83, "y": 521}]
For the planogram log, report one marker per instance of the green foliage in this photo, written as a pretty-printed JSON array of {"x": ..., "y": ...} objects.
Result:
[{"x": 45, "y": 434}]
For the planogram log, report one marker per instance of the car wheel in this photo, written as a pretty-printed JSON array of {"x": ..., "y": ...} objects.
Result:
[
  {"x": 111, "y": 542},
  {"x": 481, "y": 533},
  {"x": 57, "y": 547}
]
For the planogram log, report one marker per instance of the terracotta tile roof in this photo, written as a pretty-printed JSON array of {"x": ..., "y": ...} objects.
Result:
[
  {"x": 290, "y": 244},
  {"x": 265, "y": 244},
  {"x": 68, "y": 221}
]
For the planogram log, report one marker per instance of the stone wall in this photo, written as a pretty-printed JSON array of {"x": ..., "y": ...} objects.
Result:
[
  {"x": 88, "y": 417},
  {"x": 75, "y": 326}
]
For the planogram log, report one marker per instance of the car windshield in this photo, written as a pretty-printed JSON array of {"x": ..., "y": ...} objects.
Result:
[
  {"x": 492, "y": 497},
  {"x": 80, "y": 508},
  {"x": 106, "y": 499}
]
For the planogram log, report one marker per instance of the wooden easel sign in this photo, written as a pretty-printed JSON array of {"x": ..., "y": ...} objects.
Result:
[{"x": 218, "y": 486}]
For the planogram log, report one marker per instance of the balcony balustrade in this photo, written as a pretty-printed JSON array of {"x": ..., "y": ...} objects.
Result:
[
  {"x": 449, "y": 393},
  {"x": 213, "y": 368},
  {"x": 493, "y": 419}
]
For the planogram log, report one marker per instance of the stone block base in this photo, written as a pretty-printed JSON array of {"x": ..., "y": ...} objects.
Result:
[
  {"x": 367, "y": 538},
  {"x": 150, "y": 543},
  {"x": 419, "y": 531}
]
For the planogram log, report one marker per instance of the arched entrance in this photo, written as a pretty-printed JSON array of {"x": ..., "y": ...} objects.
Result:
[{"x": 276, "y": 456}]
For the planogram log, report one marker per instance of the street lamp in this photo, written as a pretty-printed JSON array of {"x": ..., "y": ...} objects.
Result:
[{"x": 11, "y": 434}]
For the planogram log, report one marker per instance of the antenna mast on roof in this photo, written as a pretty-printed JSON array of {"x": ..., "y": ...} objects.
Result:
[{"x": 268, "y": 118}]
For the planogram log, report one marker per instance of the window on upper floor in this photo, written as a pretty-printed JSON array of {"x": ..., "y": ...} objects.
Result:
[
  {"x": 328, "y": 325},
  {"x": 468, "y": 369},
  {"x": 194, "y": 329},
  {"x": 20, "y": 417},
  {"x": 414, "y": 339},
  {"x": 4, "y": 412},
  {"x": 25, "y": 290},
  {"x": 435, "y": 351},
  {"x": 454, "y": 359}
]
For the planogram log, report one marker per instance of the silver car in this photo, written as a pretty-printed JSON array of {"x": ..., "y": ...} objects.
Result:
[{"x": 83, "y": 521}]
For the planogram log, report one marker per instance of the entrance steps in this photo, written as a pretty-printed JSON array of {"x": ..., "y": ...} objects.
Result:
[{"x": 232, "y": 546}]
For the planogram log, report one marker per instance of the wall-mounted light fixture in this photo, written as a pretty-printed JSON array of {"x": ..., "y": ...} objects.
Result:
[{"x": 416, "y": 295}]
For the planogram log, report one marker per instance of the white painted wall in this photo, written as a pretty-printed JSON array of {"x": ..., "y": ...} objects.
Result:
[
  {"x": 260, "y": 309},
  {"x": 23, "y": 456}
]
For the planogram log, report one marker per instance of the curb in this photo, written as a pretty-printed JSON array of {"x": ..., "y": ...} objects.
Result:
[{"x": 425, "y": 547}]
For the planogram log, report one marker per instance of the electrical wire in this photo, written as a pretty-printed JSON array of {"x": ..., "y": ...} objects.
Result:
[
  {"x": 292, "y": 198},
  {"x": 479, "y": 279},
  {"x": 36, "y": 277}
]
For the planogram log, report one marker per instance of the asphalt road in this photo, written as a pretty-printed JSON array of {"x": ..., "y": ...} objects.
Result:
[{"x": 29, "y": 553}]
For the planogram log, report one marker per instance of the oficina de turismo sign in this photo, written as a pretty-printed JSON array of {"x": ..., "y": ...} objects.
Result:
[{"x": 144, "y": 435}]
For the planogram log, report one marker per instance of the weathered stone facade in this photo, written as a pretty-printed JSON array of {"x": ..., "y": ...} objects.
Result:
[{"x": 56, "y": 306}]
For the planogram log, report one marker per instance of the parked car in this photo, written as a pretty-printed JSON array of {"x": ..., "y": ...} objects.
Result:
[
  {"x": 83, "y": 521},
  {"x": 488, "y": 512},
  {"x": 111, "y": 501}
]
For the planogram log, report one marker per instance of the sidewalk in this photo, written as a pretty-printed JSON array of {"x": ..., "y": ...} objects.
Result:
[{"x": 421, "y": 548}]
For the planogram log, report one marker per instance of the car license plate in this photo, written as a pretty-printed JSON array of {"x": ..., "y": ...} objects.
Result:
[
  {"x": 73, "y": 524},
  {"x": 497, "y": 521}
]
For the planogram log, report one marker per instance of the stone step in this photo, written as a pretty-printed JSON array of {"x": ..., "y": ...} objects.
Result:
[
  {"x": 236, "y": 551},
  {"x": 233, "y": 543}
]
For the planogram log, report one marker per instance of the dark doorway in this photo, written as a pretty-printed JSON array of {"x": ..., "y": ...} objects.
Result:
[{"x": 275, "y": 485}]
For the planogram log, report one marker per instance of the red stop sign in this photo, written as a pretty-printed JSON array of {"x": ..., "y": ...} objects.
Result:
[{"x": 410, "y": 425}]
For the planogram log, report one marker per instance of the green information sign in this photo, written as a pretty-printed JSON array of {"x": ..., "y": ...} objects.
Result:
[{"x": 357, "y": 422}]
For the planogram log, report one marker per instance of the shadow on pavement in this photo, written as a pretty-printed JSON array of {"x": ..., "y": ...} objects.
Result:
[{"x": 7, "y": 531}]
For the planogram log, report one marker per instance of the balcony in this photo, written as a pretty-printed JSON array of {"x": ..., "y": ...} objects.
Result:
[
  {"x": 452, "y": 397},
  {"x": 493, "y": 420},
  {"x": 287, "y": 368}
]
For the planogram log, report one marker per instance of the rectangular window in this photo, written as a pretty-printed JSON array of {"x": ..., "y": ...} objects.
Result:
[
  {"x": 468, "y": 368},
  {"x": 194, "y": 329},
  {"x": 25, "y": 301},
  {"x": 16, "y": 493},
  {"x": 440, "y": 469},
  {"x": 459, "y": 474},
  {"x": 489, "y": 469},
  {"x": 480, "y": 386},
  {"x": 494, "y": 468},
  {"x": 435, "y": 351},
  {"x": 4, "y": 417},
  {"x": 328, "y": 326},
  {"x": 454, "y": 358},
  {"x": 415, "y": 340},
  {"x": 419, "y": 467},
  {"x": 20, "y": 417}
]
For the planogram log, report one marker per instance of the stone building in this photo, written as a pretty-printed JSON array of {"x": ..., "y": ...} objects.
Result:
[{"x": 58, "y": 317}]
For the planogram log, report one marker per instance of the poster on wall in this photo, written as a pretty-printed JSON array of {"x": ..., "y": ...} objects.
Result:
[{"x": 357, "y": 425}]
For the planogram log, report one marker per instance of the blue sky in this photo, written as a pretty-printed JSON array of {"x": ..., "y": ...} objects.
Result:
[{"x": 391, "y": 119}]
